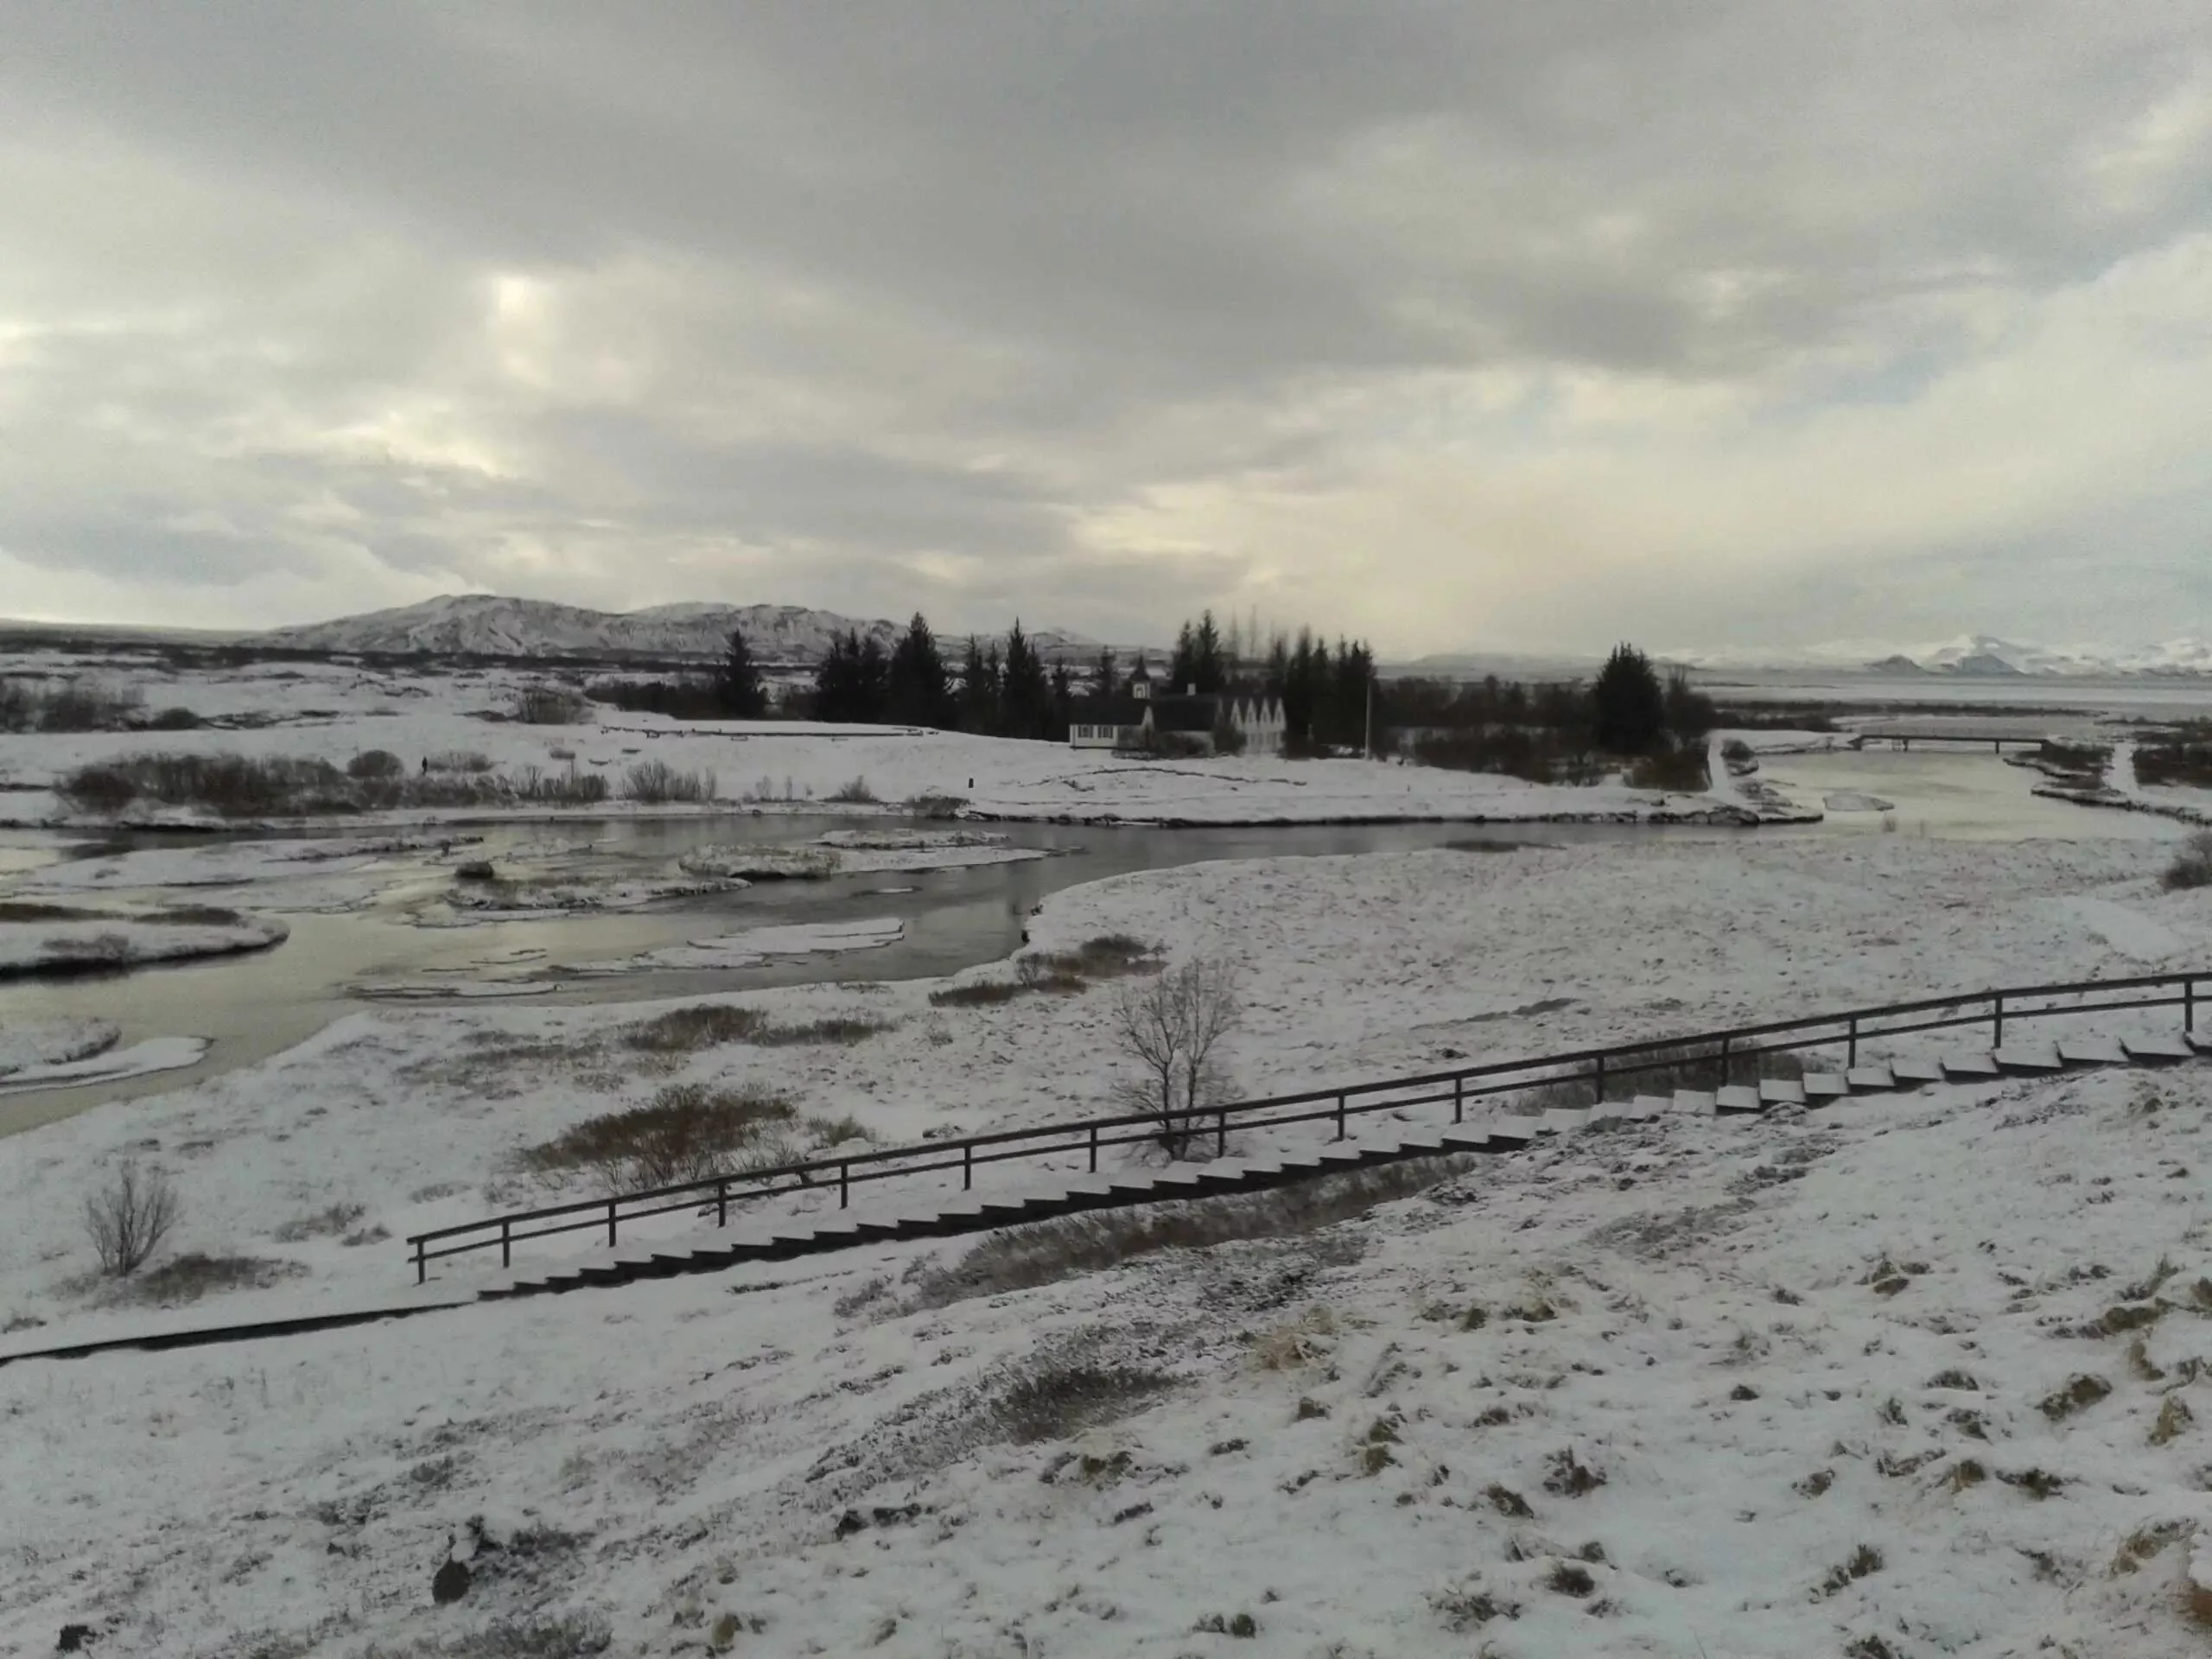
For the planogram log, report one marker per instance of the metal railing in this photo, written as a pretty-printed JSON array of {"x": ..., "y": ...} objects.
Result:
[{"x": 1600, "y": 1070}]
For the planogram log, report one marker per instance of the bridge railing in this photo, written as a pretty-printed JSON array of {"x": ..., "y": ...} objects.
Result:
[{"x": 1608, "y": 1071}]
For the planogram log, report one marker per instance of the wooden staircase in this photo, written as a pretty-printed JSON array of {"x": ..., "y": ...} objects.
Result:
[{"x": 930, "y": 1216}]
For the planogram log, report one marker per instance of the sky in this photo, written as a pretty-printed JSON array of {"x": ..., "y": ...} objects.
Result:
[{"x": 1457, "y": 326}]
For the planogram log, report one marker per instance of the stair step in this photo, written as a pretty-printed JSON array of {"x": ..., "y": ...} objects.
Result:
[
  {"x": 1564, "y": 1120},
  {"x": 1736, "y": 1100},
  {"x": 1647, "y": 1106},
  {"x": 1871, "y": 1080},
  {"x": 1509, "y": 1134},
  {"x": 1912, "y": 1072},
  {"x": 1697, "y": 1102},
  {"x": 2152, "y": 1050},
  {"x": 1821, "y": 1087},
  {"x": 1969, "y": 1063},
  {"x": 2091, "y": 1051},
  {"x": 1467, "y": 1137},
  {"x": 2200, "y": 1038},
  {"x": 1781, "y": 1091},
  {"x": 2015, "y": 1058}
]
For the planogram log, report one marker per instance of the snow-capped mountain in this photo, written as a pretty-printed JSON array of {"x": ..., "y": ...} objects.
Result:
[
  {"x": 1969, "y": 656},
  {"x": 489, "y": 624}
]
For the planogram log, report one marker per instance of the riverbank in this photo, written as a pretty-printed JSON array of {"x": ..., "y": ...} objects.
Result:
[{"x": 406, "y": 1118}]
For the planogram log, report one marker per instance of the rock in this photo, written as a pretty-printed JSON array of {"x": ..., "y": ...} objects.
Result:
[
  {"x": 450, "y": 1584},
  {"x": 477, "y": 869},
  {"x": 75, "y": 1638}
]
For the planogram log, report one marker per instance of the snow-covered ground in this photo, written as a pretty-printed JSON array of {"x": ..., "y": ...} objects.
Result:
[
  {"x": 332, "y": 712},
  {"x": 1913, "y": 1376},
  {"x": 73, "y": 940},
  {"x": 1353, "y": 967}
]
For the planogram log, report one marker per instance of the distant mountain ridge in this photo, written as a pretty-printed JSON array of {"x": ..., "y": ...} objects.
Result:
[
  {"x": 1979, "y": 656},
  {"x": 489, "y": 624}
]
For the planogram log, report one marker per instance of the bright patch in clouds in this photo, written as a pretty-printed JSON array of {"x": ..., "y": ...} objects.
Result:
[{"x": 1452, "y": 327}]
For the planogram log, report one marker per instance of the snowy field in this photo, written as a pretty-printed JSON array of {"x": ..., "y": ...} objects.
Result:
[
  {"x": 409, "y": 1118},
  {"x": 1909, "y": 1377},
  {"x": 332, "y": 712}
]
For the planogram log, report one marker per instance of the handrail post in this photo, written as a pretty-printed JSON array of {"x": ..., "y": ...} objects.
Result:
[
  {"x": 1851, "y": 1054},
  {"x": 1221, "y": 1135},
  {"x": 1094, "y": 1148},
  {"x": 1600, "y": 1080},
  {"x": 1340, "y": 1114},
  {"x": 845, "y": 1184},
  {"x": 506, "y": 1243},
  {"x": 610, "y": 1222},
  {"x": 1459, "y": 1100},
  {"x": 1726, "y": 1075},
  {"x": 422, "y": 1264},
  {"x": 2188, "y": 1003},
  {"x": 722, "y": 1203},
  {"x": 1997, "y": 1018},
  {"x": 967, "y": 1166}
]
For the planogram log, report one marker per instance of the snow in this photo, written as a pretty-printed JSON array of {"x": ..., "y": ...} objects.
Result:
[
  {"x": 755, "y": 945},
  {"x": 118, "y": 940},
  {"x": 114, "y": 1065},
  {"x": 1774, "y": 1342},
  {"x": 334, "y": 711},
  {"x": 488, "y": 624},
  {"x": 2126, "y": 928},
  {"x": 49, "y": 1042}
]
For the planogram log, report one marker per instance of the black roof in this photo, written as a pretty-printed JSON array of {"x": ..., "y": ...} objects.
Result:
[
  {"x": 1106, "y": 711},
  {"x": 1184, "y": 713}
]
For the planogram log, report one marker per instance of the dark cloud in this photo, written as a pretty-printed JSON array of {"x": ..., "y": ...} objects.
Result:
[{"x": 971, "y": 300}]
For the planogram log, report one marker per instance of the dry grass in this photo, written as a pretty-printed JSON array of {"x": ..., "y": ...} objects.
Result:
[
  {"x": 573, "y": 1635},
  {"x": 1865, "y": 1563},
  {"x": 2192, "y": 865},
  {"x": 982, "y": 994},
  {"x": 843, "y": 1028},
  {"x": 2079, "y": 1394},
  {"x": 687, "y": 1133},
  {"x": 689, "y": 1030},
  {"x": 2174, "y": 1416},
  {"x": 331, "y": 1223},
  {"x": 192, "y": 1276},
  {"x": 1047, "y": 1252},
  {"x": 1052, "y": 1398},
  {"x": 655, "y": 782}
]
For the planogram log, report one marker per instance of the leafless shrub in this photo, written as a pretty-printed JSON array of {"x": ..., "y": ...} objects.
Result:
[
  {"x": 189, "y": 1277},
  {"x": 1051, "y": 1399},
  {"x": 656, "y": 782},
  {"x": 2192, "y": 865},
  {"x": 573, "y": 787},
  {"x": 686, "y": 1030},
  {"x": 1047, "y": 975},
  {"x": 574, "y": 1636},
  {"x": 74, "y": 706},
  {"x": 464, "y": 761},
  {"x": 982, "y": 994},
  {"x": 932, "y": 804},
  {"x": 549, "y": 705},
  {"x": 845, "y": 1029},
  {"x": 1170, "y": 1030},
  {"x": 128, "y": 1219},
  {"x": 855, "y": 792},
  {"x": 687, "y": 1133},
  {"x": 372, "y": 764},
  {"x": 1047, "y": 1252},
  {"x": 322, "y": 1223}
]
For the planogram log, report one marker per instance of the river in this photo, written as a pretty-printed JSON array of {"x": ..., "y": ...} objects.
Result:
[{"x": 253, "y": 1007}]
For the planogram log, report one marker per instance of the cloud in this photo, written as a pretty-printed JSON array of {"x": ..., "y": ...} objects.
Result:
[{"x": 1511, "y": 326}]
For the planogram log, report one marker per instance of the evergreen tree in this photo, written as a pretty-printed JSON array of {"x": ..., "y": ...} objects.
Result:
[
  {"x": 737, "y": 685},
  {"x": 1628, "y": 706},
  {"x": 919, "y": 694},
  {"x": 853, "y": 684},
  {"x": 1183, "y": 664},
  {"x": 1198, "y": 662},
  {"x": 1106, "y": 683},
  {"x": 1025, "y": 693},
  {"x": 979, "y": 691},
  {"x": 1690, "y": 713},
  {"x": 1063, "y": 703}
]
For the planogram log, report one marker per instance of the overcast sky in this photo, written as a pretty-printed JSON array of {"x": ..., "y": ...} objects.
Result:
[{"x": 1455, "y": 325}]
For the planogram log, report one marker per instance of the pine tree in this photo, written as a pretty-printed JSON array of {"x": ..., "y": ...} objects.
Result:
[
  {"x": 1628, "y": 706},
  {"x": 979, "y": 695},
  {"x": 919, "y": 695},
  {"x": 1025, "y": 693},
  {"x": 1107, "y": 684},
  {"x": 1063, "y": 703},
  {"x": 737, "y": 686}
]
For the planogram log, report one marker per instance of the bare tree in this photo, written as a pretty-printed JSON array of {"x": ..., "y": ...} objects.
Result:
[
  {"x": 1171, "y": 1029},
  {"x": 129, "y": 1218}
]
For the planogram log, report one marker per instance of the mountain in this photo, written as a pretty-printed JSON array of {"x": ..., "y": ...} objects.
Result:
[
  {"x": 1970, "y": 656},
  {"x": 488, "y": 624}
]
